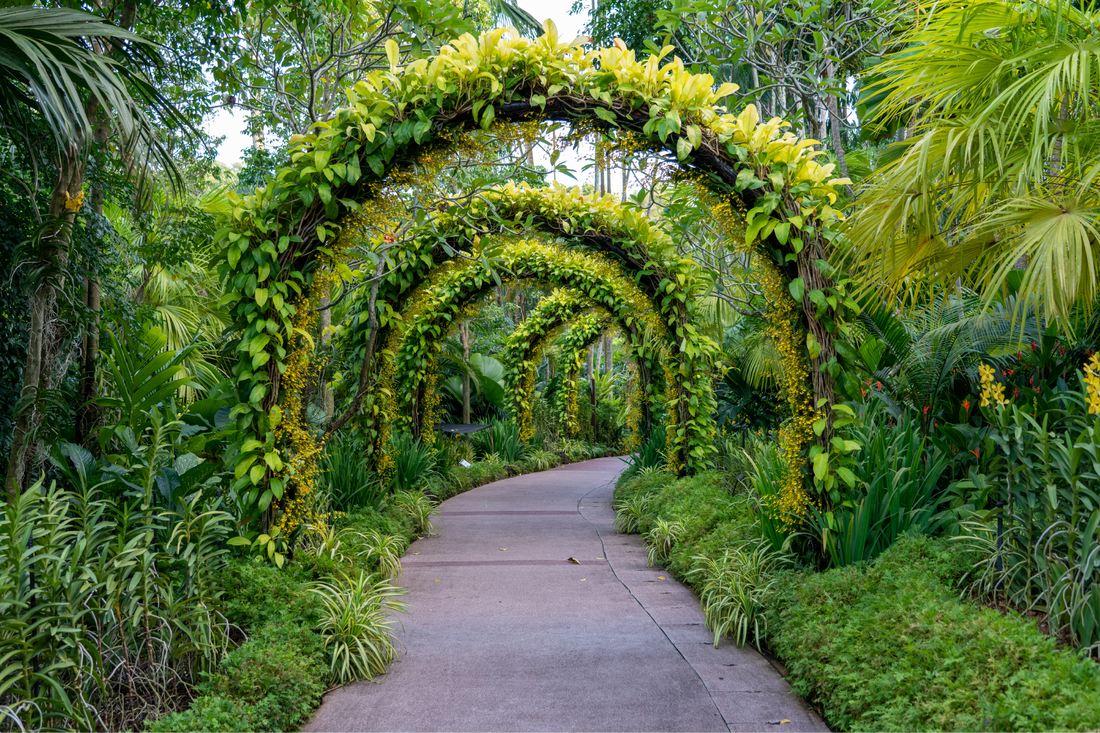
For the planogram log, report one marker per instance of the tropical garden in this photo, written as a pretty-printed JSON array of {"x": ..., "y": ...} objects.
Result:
[{"x": 827, "y": 279}]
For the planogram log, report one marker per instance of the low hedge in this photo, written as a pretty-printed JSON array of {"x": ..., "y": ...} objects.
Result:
[
  {"x": 275, "y": 679},
  {"x": 892, "y": 645}
]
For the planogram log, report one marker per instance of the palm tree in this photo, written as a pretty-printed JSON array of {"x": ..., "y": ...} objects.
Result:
[
  {"x": 1002, "y": 100},
  {"x": 509, "y": 11},
  {"x": 917, "y": 355},
  {"x": 78, "y": 74}
]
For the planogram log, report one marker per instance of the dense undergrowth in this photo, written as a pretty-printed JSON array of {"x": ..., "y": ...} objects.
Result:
[{"x": 893, "y": 644}]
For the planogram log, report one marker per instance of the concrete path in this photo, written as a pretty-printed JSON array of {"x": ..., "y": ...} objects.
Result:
[{"x": 505, "y": 634}]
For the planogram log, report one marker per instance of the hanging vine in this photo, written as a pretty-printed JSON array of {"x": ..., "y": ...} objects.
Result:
[{"x": 271, "y": 241}]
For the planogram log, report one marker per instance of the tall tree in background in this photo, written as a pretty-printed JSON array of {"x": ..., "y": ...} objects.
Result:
[
  {"x": 793, "y": 58},
  {"x": 78, "y": 74}
]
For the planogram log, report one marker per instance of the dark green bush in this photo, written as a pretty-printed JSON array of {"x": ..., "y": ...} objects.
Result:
[
  {"x": 208, "y": 713},
  {"x": 892, "y": 646},
  {"x": 279, "y": 671}
]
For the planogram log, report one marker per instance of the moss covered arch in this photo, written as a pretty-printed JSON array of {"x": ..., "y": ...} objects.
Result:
[
  {"x": 276, "y": 242},
  {"x": 440, "y": 302},
  {"x": 523, "y": 347}
]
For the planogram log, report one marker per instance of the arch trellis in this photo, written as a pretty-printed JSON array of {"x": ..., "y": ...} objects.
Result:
[
  {"x": 619, "y": 231},
  {"x": 437, "y": 305},
  {"x": 275, "y": 241},
  {"x": 575, "y": 342},
  {"x": 523, "y": 347}
]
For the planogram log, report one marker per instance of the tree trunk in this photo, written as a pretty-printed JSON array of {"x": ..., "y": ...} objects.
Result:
[
  {"x": 835, "y": 125},
  {"x": 42, "y": 306},
  {"x": 608, "y": 354},
  {"x": 464, "y": 332},
  {"x": 591, "y": 359}
]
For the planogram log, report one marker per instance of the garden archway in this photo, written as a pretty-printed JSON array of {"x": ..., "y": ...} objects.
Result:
[
  {"x": 523, "y": 347},
  {"x": 437, "y": 305},
  {"x": 276, "y": 243}
]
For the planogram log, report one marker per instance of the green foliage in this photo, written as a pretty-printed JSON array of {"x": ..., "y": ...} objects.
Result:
[
  {"x": 732, "y": 589},
  {"x": 414, "y": 462},
  {"x": 356, "y": 625},
  {"x": 891, "y": 646},
  {"x": 502, "y": 438},
  {"x": 418, "y": 507},
  {"x": 896, "y": 475},
  {"x": 383, "y": 551},
  {"x": 350, "y": 483},
  {"x": 662, "y": 535},
  {"x": 1045, "y": 480},
  {"x": 630, "y": 513},
  {"x": 104, "y": 596},
  {"x": 649, "y": 455},
  {"x": 274, "y": 675},
  {"x": 208, "y": 713},
  {"x": 1030, "y": 190}
]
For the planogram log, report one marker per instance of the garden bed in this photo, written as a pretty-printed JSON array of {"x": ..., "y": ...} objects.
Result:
[{"x": 890, "y": 645}]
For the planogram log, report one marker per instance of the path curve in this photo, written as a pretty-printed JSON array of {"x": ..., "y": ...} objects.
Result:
[{"x": 506, "y": 634}]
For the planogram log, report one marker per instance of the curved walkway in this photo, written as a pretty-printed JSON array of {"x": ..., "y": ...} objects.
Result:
[{"x": 507, "y": 633}]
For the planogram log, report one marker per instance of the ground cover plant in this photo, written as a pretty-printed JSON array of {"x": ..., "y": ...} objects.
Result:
[{"x": 896, "y": 643}]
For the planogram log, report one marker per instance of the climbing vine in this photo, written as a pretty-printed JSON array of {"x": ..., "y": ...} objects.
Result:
[
  {"x": 595, "y": 278},
  {"x": 523, "y": 349},
  {"x": 272, "y": 240},
  {"x": 574, "y": 345}
]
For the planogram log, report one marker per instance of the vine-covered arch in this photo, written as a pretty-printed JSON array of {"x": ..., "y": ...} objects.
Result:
[
  {"x": 604, "y": 224},
  {"x": 575, "y": 342},
  {"x": 276, "y": 241},
  {"x": 523, "y": 348},
  {"x": 438, "y": 304}
]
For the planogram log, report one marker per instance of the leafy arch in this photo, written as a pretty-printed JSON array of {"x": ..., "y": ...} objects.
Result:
[
  {"x": 575, "y": 342},
  {"x": 523, "y": 349},
  {"x": 275, "y": 241},
  {"x": 603, "y": 224},
  {"x": 597, "y": 278}
]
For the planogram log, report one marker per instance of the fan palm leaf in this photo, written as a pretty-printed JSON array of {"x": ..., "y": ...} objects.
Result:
[{"x": 1003, "y": 98}]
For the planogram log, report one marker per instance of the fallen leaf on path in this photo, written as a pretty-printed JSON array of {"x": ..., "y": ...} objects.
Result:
[
  {"x": 660, "y": 577},
  {"x": 573, "y": 560},
  {"x": 502, "y": 549}
]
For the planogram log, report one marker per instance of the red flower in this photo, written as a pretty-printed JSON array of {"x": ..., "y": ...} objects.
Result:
[
  {"x": 926, "y": 408},
  {"x": 1034, "y": 346},
  {"x": 878, "y": 385},
  {"x": 976, "y": 452},
  {"x": 1008, "y": 372},
  {"x": 868, "y": 381},
  {"x": 862, "y": 391},
  {"x": 1015, "y": 391},
  {"x": 966, "y": 405}
]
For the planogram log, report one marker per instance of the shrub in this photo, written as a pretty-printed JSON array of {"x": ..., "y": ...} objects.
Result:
[
  {"x": 732, "y": 590},
  {"x": 278, "y": 673},
  {"x": 208, "y": 713},
  {"x": 351, "y": 484},
  {"x": 414, "y": 462},
  {"x": 356, "y": 625},
  {"x": 892, "y": 646}
]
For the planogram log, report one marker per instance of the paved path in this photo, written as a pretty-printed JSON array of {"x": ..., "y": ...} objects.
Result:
[{"x": 506, "y": 635}]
